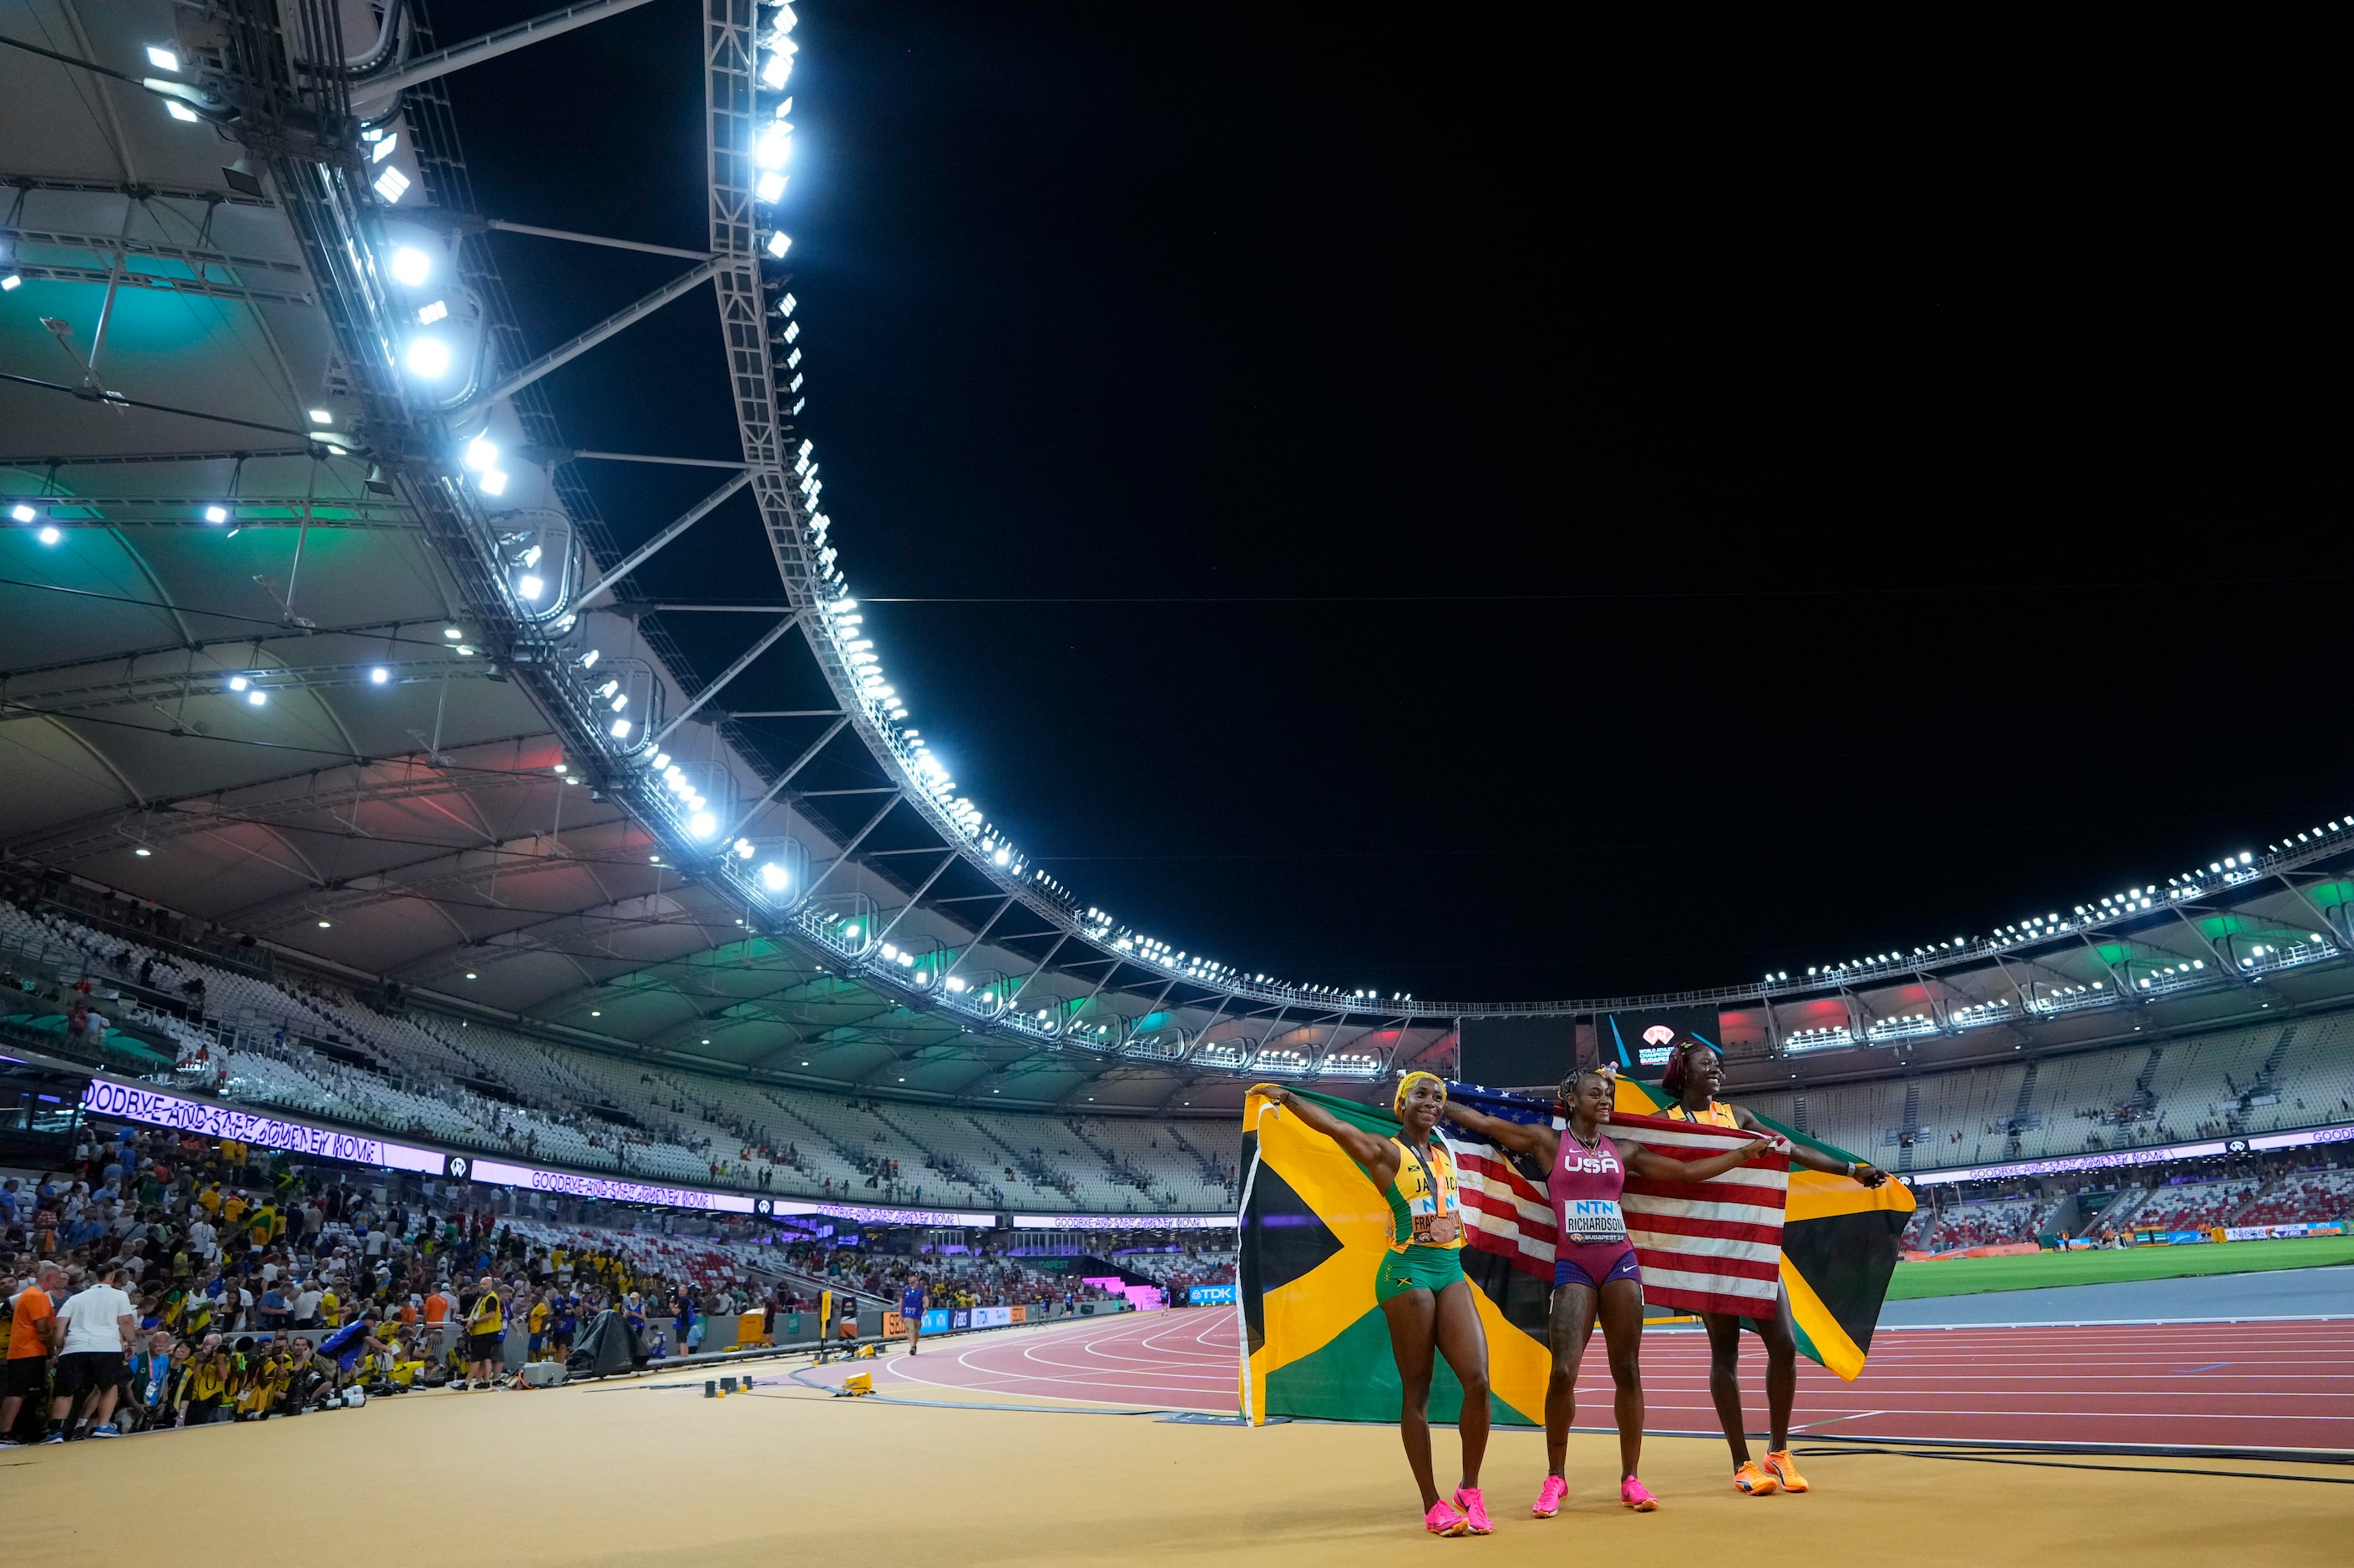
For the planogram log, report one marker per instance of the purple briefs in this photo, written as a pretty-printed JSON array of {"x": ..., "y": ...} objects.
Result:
[{"x": 1595, "y": 1266}]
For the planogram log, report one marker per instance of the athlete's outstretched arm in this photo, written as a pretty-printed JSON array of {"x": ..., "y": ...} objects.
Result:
[
  {"x": 1374, "y": 1153},
  {"x": 1519, "y": 1136},
  {"x": 1862, "y": 1170},
  {"x": 1658, "y": 1166}
]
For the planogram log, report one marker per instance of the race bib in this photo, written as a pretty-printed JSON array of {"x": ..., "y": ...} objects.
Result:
[
  {"x": 1588, "y": 1221},
  {"x": 1437, "y": 1230}
]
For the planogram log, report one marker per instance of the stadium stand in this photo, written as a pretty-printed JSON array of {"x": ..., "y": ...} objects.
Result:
[{"x": 311, "y": 1046}]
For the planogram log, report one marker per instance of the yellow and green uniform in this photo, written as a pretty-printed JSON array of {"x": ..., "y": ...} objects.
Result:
[
  {"x": 1425, "y": 1203},
  {"x": 1718, "y": 1114}
]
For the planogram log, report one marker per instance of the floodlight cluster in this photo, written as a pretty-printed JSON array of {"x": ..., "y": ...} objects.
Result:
[{"x": 2227, "y": 872}]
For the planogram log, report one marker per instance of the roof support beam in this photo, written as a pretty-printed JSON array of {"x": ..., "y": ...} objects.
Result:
[
  {"x": 804, "y": 760},
  {"x": 626, "y": 317},
  {"x": 856, "y": 839},
  {"x": 645, "y": 552},
  {"x": 504, "y": 227},
  {"x": 491, "y": 46},
  {"x": 744, "y": 663}
]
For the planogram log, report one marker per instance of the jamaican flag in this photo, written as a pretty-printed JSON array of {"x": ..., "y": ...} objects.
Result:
[
  {"x": 1314, "y": 1231},
  {"x": 1838, "y": 1245}
]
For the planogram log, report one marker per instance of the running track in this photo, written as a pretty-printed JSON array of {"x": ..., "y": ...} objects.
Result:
[{"x": 2287, "y": 1385}]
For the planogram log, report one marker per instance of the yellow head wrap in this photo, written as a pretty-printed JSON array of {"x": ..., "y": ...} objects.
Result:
[{"x": 1397, "y": 1101}]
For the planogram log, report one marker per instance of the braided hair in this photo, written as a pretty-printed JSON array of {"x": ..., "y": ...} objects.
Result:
[{"x": 1671, "y": 1078}]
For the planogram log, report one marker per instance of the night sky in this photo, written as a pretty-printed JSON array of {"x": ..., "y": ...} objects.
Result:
[{"x": 1455, "y": 504}]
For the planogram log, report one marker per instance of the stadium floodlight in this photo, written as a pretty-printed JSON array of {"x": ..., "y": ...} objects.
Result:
[
  {"x": 379, "y": 675},
  {"x": 429, "y": 357},
  {"x": 49, "y": 535},
  {"x": 22, "y": 512},
  {"x": 622, "y": 730},
  {"x": 778, "y": 68},
  {"x": 619, "y": 703},
  {"x": 322, "y": 417},
  {"x": 412, "y": 266},
  {"x": 703, "y": 824},
  {"x": 779, "y": 242},
  {"x": 1001, "y": 857},
  {"x": 11, "y": 283},
  {"x": 428, "y": 314},
  {"x": 257, "y": 696},
  {"x": 588, "y": 660},
  {"x": 771, "y": 186},
  {"x": 390, "y": 184},
  {"x": 238, "y": 682},
  {"x": 384, "y": 146},
  {"x": 774, "y": 146},
  {"x": 179, "y": 111},
  {"x": 745, "y": 848},
  {"x": 163, "y": 59},
  {"x": 482, "y": 452},
  {"x": 494, "y": 482},
  {"x": 529, "y": 586},
  {"x": 216, "y": 514},
  {"x": 775, "y": 877},
  {"x": 452, "y": 633}
]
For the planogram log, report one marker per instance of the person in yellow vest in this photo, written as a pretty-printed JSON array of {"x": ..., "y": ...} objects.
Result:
[
  {"x": 233, "y": 1208},
  {"x": 1694, "y": 1073},
  {"x": 484, "y": 1326},
  {"x": 1420, "y": 1286}
]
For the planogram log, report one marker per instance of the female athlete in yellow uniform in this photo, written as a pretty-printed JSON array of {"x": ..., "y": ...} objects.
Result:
[
  {"x": 1420, "y": 1285},
  {"x": 1693, "y": 1076}
]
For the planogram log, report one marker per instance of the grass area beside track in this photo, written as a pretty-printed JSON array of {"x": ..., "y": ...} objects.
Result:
[{"x": 2025, "y": 1271}]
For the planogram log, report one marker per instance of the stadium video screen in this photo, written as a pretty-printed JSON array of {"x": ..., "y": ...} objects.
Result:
[
  {"x": 1518, "y": 1052},
  {"x": 1639, "y": 1039}
]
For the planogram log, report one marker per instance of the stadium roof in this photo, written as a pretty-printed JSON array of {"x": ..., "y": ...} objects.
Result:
[{"x": 317, "y": 630}]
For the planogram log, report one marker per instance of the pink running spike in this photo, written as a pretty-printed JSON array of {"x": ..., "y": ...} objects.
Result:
[
  {"x": 1475, "y": 1511},
  {"x": 1636, "y": 1496},
  {"x": 1444, "y": 1521},
  {"x": 1549, "y": 1496}
]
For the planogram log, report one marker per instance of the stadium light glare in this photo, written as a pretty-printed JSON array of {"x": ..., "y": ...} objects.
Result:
[
  {"x": 779, "y": 242},
  {"x": 703, "y": 824},
  {"x": 163, "y": 59},
  {"x": 179, "y": 111},
  {"x": 411, "y": 266},
  {"x": 529, "y": 586},
  {"x": 238, "y": 682},
  {"x": 216, "y": 514},
  {"x": 379, "y": 675},
  {"x": 429, "y": 357},
  {"x": 257, "y": 696},
  {"x": 775, "y": 145},
  {"x": 22, "y": 512},
  {"x": 430, "y": 314},
  {"x": 775, "y": 877},
  {"x": 771, "y": 186},
  {"x": 494, "y": 482}
]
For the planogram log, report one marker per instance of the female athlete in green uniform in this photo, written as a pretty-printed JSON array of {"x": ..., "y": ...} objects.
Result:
[{"x": 1420, "y": 1285}]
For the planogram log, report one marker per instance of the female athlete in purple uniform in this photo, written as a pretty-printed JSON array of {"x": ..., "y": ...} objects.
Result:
[{"x": 1595, "y": 1272}]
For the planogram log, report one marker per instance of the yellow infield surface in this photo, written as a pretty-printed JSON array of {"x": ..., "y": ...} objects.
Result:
[{"x": 635, "y": 1473}]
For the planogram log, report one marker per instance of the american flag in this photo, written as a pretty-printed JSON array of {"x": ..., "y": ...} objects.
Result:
[{"x": 1707, "y": 1246}]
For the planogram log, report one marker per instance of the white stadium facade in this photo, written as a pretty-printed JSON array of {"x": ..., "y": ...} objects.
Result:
[{"x": 328, "y": 681}]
